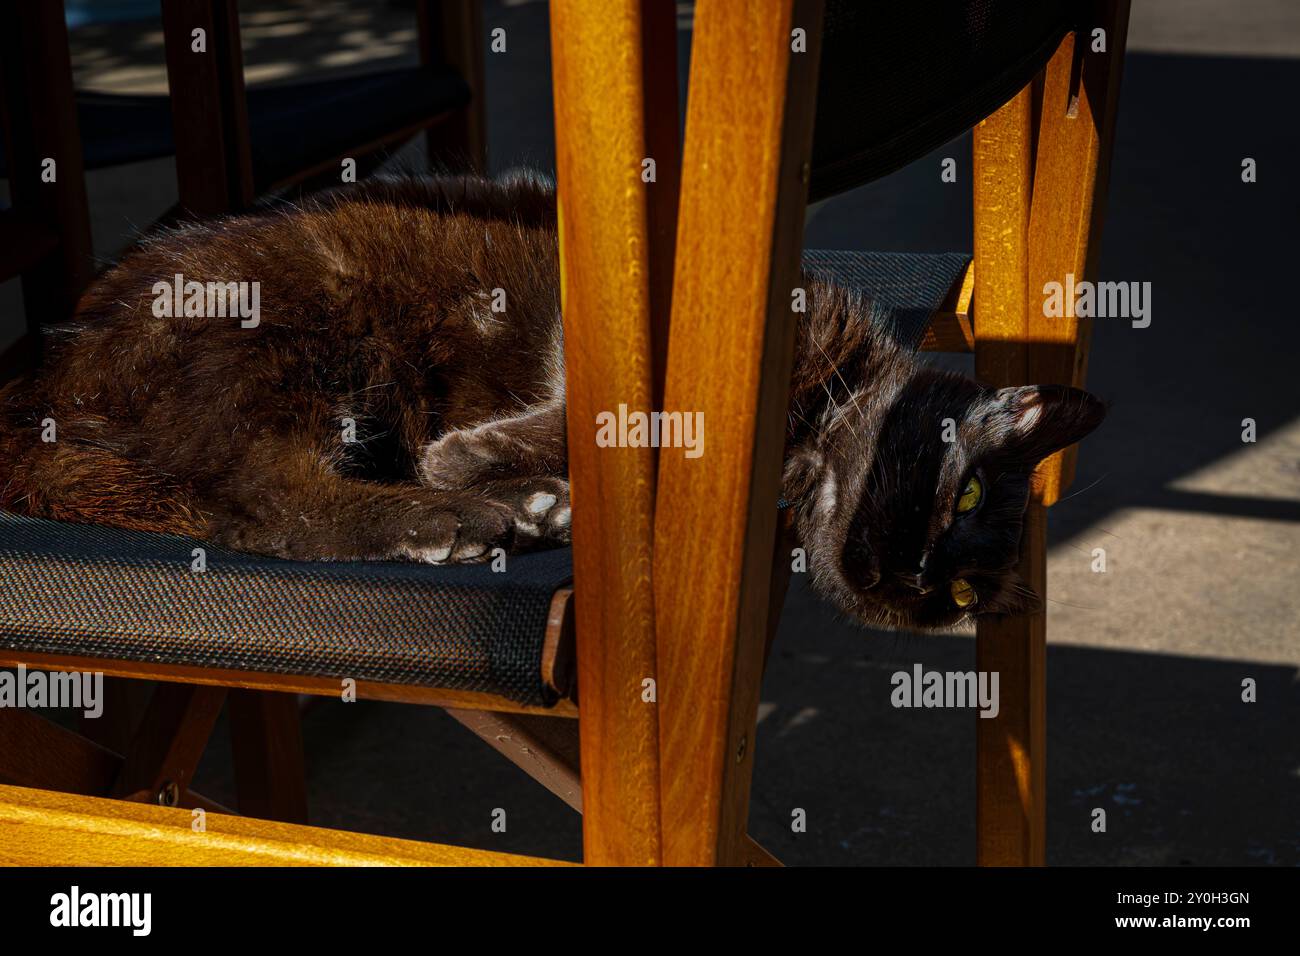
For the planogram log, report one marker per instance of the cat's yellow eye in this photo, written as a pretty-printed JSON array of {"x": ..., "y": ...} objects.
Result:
[
  {"x": 970, "y": 496},
  {"x": 963, "y": 595}
]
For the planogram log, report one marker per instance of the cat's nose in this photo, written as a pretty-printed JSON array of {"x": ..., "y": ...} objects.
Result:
[{"x": 917, "y": 583}]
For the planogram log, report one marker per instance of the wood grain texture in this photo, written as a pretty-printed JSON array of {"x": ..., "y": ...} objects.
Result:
[
  {"x": 170, "y": 741},
  {"x": 287, "y": 683},
  {"x": 548, "y": 751},
  {"x": 1075, "y": 135},
  {"x": 600, "y": 138},
  {"x": 214, "y": 160},
  {"x": 266, "y": 746},
  {"x": 1010, "y": 748},
  {"x": 38, "y": 828},
  {"x": 38, "y": 115},
  {"x": 744, "y": 188},
  {"x": 36, "y": 752},
  {"x": 451, "y": 32},
  {"x": 1003, "y": 171},
  {"x": 951, "y": 328}
]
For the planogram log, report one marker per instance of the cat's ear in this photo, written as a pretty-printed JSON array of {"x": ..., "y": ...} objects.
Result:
[
  {"x": 1015, "y": 597},
  {"x": 1036, "y": 420}
]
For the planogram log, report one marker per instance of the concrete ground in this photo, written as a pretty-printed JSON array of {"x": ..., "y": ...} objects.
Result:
[{"x": 1146, "y": 661}]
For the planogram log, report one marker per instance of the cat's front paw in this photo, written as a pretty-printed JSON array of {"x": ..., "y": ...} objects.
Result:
[
  {"x": 462, "y": 533},
  {"x": 459, "y": 459},
  {"x": 540, "y": 509}
]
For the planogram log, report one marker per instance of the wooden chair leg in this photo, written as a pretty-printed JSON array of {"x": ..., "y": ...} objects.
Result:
[
  {"x": 1010, "y": 748},
  {"x": 547, "y": 749},
  {"x": 40, "y": 124},
  {"x": 1040, "y": 174},
  {"x": 451, "y": 32},
  {"x": 214, "y": 159},
  {"x": 1075, "y": 134},
  {"x": 270, "y": 769},
  {"x": 124, "y": 707},
  {"x": 607, "y": 259},
  {"x": 165, "y": 752},
  {"x": 744, "y": 191},
  {"x": 39, "y": 754}
]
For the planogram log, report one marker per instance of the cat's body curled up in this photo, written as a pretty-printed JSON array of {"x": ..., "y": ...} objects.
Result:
[{"x": 400, "y": 395}]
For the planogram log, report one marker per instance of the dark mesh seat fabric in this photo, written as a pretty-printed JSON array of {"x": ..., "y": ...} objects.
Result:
[
  {"x": 900, "y": 79},
  {"x": 89, "y": 591},
  {"x": 905, "y": 288},
  {"x": 291, "y": 126}
]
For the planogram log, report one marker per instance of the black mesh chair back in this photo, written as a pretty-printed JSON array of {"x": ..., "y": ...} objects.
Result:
[{"x": 900, "y": 79}]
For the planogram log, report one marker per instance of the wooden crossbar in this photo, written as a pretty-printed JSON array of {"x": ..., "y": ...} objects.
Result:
[{"x": 39, "y": 828}]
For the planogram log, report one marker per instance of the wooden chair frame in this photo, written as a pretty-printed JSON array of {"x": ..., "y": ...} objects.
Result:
[
  {"x": 45, "y": 236},
  {"x": 671, "y": 645},
  {"x": 214, "y": 161}
]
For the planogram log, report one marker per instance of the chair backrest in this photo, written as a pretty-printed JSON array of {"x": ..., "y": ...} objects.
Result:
[{"x": 946, "y": 64}]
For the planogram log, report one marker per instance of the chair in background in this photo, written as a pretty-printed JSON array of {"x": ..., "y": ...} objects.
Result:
[
  {"x": 234, "y": 144},
  {"x": 45, "y": 234}
]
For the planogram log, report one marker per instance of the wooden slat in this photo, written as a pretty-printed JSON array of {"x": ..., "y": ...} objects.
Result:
[
  {"x": 170, "y": 741},
  {"x": 287, "y": 683},
  {"x": 744, "y": 189},
  {"x": 24, "y": 242},
  {"x": 1076, "y": 130},
  {"x": 451, "y": 32},
  {"x": 548, "y": 751},
  {"x": 266, "y": 744},
  {"x": 596, "y": 50},
  {"x": 40, "y": 123},
  {"x": 951, "y": 329},
  {"x": 38, "y": 828},
  {"x": 1010, "y": 749},
  {"x": 559, "y": 666},
  {"x": 214, "y": 160},
  {"x": 36, "y": 752},
  {"x": 1002, "y": 193}
]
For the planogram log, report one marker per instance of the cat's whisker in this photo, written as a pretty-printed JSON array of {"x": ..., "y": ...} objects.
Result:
[
  {"x": 1081, "y": 607},
  {"x": 1075, "y": 494}
]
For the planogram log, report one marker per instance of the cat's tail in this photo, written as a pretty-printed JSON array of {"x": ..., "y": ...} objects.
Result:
[{"x": 45, "y": 472}]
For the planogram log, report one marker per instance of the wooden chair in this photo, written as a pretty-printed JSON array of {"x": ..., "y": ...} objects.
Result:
[
  {"x": 1040, "y": 165},
  {"x": 232, "y": 145},
  {"x": 670, "y": 644},
  {"x": 45, "y": 235}
]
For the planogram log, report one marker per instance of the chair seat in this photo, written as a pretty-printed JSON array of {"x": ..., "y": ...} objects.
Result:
[
  {"x": 104, "y": 593},
  {"x": 84, "y": 591},
  {"x": 905, "y": 289},
  {"x": 292, "y": 127}
]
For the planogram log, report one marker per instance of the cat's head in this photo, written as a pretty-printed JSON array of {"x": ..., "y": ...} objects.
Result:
[{"x": 923, "y": 530}]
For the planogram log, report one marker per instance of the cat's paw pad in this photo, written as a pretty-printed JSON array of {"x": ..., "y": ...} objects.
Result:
[
  {"x": 464, "y": 534},
  {"x": 540, "y": 507}
]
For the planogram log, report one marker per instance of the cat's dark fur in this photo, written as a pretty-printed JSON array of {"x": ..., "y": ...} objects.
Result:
[{"x": 376, "y": 307}]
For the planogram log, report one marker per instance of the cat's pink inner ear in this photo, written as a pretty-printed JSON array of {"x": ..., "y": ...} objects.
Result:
[{"x": 1026, "y": 404}]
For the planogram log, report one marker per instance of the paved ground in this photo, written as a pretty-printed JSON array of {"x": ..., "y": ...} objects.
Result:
[{"x": 1200, "y": 529}]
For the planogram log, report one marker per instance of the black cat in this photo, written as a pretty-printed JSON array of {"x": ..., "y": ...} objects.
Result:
[{"x": 399, "y": 393}]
